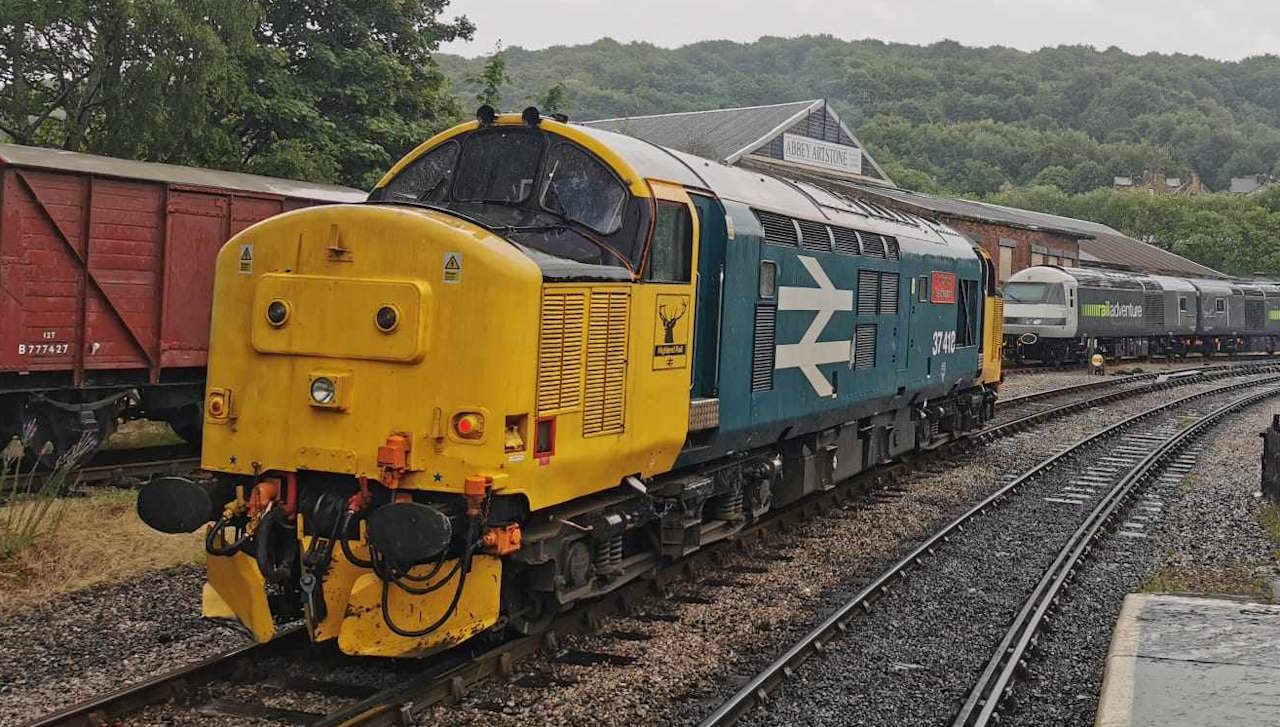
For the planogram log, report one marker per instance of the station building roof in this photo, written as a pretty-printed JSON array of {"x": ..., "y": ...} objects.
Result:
[
  {"x": 1099, "y": 244},
  {"x": 750, "y": 135}
]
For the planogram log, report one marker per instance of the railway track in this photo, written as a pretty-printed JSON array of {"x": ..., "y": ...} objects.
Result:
[
  {"x": 1134, "y": 461},
  {"x": 1043, "y": 368},
  {"x": 194, "y": 688}
]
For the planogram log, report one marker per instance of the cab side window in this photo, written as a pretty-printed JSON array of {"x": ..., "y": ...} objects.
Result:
[
  {"x": 671, "y": 252},
  {"x": 1220, "y": 305}
]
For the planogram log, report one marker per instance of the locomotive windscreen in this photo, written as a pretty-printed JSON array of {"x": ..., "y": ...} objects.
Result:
[
  {"x": 1050, "y": 293},
  {"x": 536, "y": 189}
]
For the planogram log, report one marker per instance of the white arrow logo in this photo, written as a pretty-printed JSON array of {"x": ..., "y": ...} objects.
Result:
[{"x": 808, "y": 354}]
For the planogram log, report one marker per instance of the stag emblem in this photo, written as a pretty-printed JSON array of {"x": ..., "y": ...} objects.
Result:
[{"x": 669, "y": 321}]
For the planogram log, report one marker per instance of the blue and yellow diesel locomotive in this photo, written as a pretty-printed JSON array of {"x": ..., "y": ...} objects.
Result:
[{"x": 542, "y": 358}]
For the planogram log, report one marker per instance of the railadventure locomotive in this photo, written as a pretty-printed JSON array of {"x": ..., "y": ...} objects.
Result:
[
  {"x": 540, "y": 359},
  {"x": 1061, "y": 315}
]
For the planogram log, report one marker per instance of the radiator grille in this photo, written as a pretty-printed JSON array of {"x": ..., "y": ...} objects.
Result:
[
  {"x": 846, "y": 240},
  {"x": 813, "y": 236},
  {"x": 864, "y": 346},
  {"x": 872, "y": 244},
  {"x": 560, "y": 351},
  {"x": 1255, "y": 314},
  {"x": 996, "y": 338},
  {"x": 868, "y": 292},
  {"x": 603, "y": 404},
  {"x": 762, "y": 354},
  {"x": 889, "y": 293},
  {"x": 1153, "y": 309},
  {"x": 778, "y": 229}
]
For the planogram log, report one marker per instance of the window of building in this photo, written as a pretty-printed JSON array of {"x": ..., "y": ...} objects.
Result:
[
  {"x": 1006, "y": 263},
  {"x": 671, "y": 253},
  {"x": 1037, "y": 259}
]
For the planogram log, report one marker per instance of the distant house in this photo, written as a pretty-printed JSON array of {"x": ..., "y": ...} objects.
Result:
[
  {"x": 1157, "y": 183},
  {"x": 1250, "y": 184}
]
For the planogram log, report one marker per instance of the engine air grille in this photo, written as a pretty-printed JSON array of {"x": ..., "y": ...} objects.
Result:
[
  {"x": 889, "y": 293},
  {"x": 603, "y": 405},
  {"x": 996, "y": 323},
  {"x": 778, "y": 229},
  {"x": 872, "y": 244},
  {"x": 813, "y": 236},
  {"x": 762, "y": 354},
  {"x": 560, "y": 351},
  {"x": 1153, "y": 309},
  {"x": 846, "y": 240},
  {"x": 1255, "y": 314},
  {"x": 864, "y": 346},
  {"x": 868, "y": 292}
]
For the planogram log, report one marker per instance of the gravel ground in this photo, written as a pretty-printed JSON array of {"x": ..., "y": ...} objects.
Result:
[
  {"x": 1207, "y": 538},
  {"x": 686, "y": 656},
  {"x": 86, "y": 642}
]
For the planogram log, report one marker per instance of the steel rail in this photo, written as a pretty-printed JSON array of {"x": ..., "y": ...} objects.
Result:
[
  {"x": 989, "y": 691},
  {"x": 1109, "y": 381},
  {"x": 109, "y": 708},
  {"x": 758, "y": 688},
  {"x": 996, "y": 431}
]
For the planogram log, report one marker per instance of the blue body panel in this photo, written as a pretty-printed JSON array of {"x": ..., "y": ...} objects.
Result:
[{"x": 911, "y": 363}]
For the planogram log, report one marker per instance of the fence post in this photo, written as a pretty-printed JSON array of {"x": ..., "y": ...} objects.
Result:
[{"x": 1271, "y": 460}]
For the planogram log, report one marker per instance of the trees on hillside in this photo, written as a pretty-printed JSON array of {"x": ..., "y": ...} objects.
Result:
[
  {"x": 968, "y": 118},
  {"x": 325, "y": 91}
]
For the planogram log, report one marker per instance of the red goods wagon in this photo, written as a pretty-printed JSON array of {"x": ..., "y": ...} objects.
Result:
[{"x": 106, "y": 278}]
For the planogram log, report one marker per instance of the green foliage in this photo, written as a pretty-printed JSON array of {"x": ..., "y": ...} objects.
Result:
[
  {"x": 971, "y": 119},
  {"x": 491, "y": 78},
  {"x": 325, "y": 91},
  {"x": 553, "y": 100}
]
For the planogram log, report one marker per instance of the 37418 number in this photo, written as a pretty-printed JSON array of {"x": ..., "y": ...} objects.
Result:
[{"x": 944, "y": 342}]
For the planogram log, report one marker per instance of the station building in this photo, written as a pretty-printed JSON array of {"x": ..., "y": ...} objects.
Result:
[{"x": 806, "y": 140}]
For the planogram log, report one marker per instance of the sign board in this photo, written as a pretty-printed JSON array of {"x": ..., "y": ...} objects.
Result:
[
  {"x": 942, "y": 287},
  {"x": 818, "y": 153}
]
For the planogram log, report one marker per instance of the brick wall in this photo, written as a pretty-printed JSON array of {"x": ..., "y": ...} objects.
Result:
[{"x": 1022, "y": 243}]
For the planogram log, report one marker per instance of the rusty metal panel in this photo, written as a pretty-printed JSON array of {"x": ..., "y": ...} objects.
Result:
[
  {"x": 198, "y": 225},
  {"x": 102, "y": 272},
  {"x": 41, "y": 273},
  {"x": 124, "y": 247},
  {"x": 246, "y": 211}
]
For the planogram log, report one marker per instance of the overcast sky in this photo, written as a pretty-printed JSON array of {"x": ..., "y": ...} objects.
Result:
[{"x": 1226, "y": 29}]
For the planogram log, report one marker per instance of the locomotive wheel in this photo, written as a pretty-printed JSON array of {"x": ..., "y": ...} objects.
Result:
[{"x": 533, "y": 613}]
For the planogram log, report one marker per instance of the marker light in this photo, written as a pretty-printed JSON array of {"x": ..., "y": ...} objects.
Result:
[
  {"x": 323, "y": 390},
  {"x": 217, "y": 405},
  {"x": 469, "y": 426}
]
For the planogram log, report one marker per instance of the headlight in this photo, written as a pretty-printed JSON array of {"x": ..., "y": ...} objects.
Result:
[
  {"x": 323, "y": 391},
  {"x": 277, "y": 313}
]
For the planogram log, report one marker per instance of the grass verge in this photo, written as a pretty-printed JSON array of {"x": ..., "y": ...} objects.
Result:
[
  {"x": 1238, "y": 580},
  {"x": 99, "y": 539}
]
